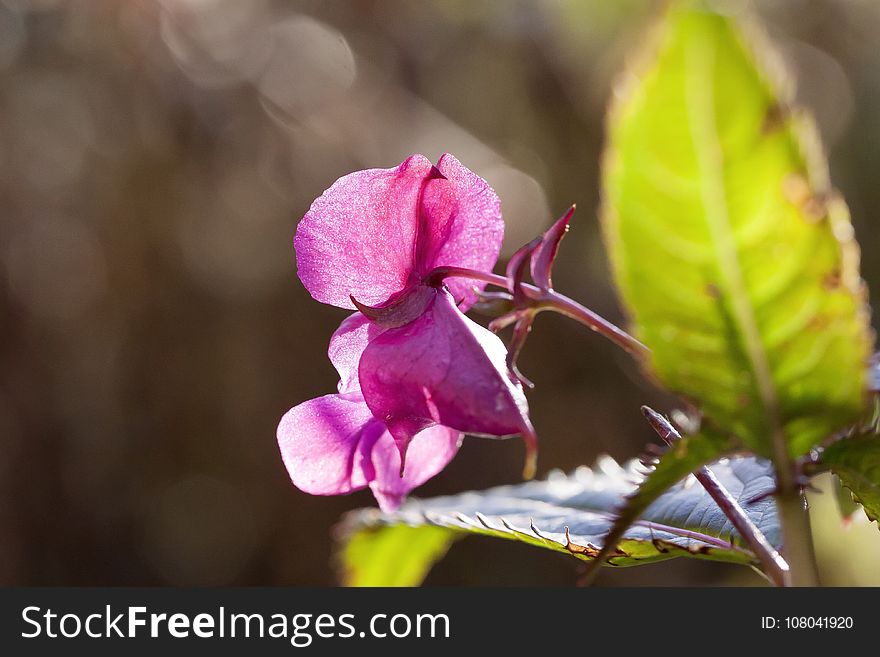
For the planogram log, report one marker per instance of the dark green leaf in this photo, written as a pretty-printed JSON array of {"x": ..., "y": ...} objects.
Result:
[
  {"x": 856, "y": 460},
  {"x": 684, "y": 457},
  {"x": 567, "y": 513}
]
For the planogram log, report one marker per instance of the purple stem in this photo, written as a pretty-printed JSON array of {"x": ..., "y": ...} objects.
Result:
[
  {"x": 775, "y": 567},
  {"x": 552, "y": 300}
]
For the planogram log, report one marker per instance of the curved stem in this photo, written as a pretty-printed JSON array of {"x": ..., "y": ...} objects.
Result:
[
  {"x": 437, "y": 275},
  {"x": 551, "y": 300},
  {"x": 554, "y": 301}
]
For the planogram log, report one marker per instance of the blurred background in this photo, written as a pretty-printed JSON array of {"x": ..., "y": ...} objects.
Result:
[{"x": 155, "y": 158}]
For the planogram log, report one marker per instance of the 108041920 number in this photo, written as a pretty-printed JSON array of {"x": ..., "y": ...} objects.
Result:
[{"x": 817, "y": 622}]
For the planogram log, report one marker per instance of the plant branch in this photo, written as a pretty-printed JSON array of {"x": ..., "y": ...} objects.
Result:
[
  {"x": 797, "y": 535},
  {"x": 775, "y": 567},
  {"x": 551, "y": 300}
]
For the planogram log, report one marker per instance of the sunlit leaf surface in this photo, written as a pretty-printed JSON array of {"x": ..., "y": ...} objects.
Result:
[
  {"x": 733, "y": 254},
  {"x": 567, "y": 513}
]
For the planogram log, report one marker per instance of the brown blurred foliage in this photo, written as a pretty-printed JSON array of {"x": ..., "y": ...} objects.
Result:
[{"x": 154, "y": 160}]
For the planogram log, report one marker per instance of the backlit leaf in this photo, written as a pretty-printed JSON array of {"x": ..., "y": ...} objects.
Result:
[{"x": 733, "y": 254}]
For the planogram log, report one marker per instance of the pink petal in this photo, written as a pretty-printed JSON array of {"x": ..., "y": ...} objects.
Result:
[
  {"x": 442, "y": 369},
  {"x": 463, "y": 227},
  {"x": 374, "y": 232},
  {"x": 346, "y": 347},
  {"x": 357, "y": 238},
  {"x": 429, "y": 452},
  {"x": 325, "y": 444},
  {"x": 333, "y": 445}
]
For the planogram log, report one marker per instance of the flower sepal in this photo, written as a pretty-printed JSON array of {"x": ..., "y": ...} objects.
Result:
[{"x": 400, "y": 309}]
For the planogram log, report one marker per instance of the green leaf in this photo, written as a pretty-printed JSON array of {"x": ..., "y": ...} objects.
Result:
[
  {"x": 856, "y": 460},
  {"x": 733, "y": 253},
  {"x": 398, "y": 555},
  {"x": 684, "y": 457},
  {"x": 846, "y": 505},
  {"x": 566, "y": 513}
]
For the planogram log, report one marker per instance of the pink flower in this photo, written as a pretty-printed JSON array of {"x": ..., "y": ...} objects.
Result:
[{"x": 415, "y": 373}]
